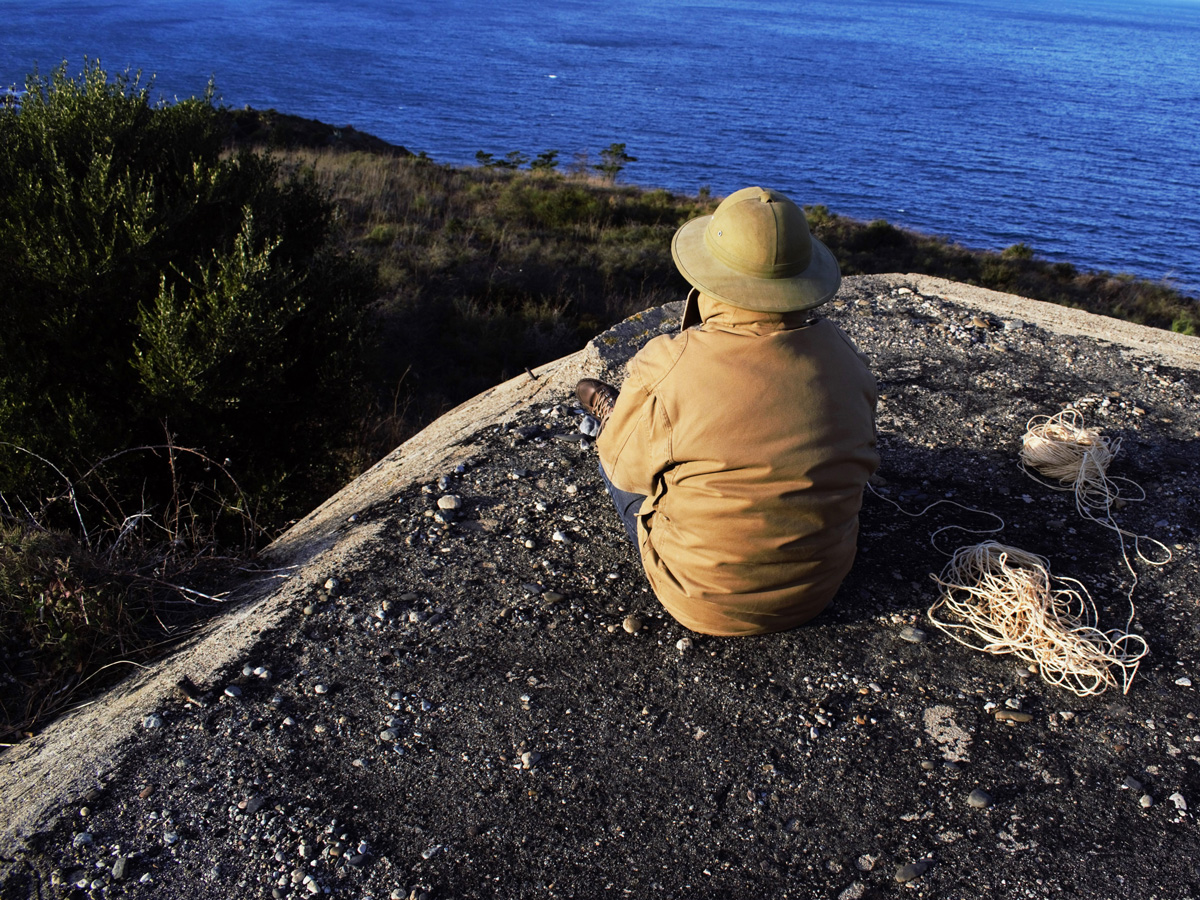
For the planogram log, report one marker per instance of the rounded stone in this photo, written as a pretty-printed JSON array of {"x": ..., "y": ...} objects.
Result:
[
  {"x": 320, "y": 689},
  {"x": 684, "y": 644},
  {"x": 387, "y": 735},
  {"x": 449, "y": 501},
  {"x": 913, "y": 635},
  {"x": 632, "y": 624},
  {"x": 154, "y": 720},
  {"x": 1146, "y": 801},
  {"x": 233, "y": 691},
  {"x": 979, "y": 799}
]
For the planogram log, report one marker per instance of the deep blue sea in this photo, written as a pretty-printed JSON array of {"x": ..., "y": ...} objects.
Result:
[{"x": 1070, "y": 125}]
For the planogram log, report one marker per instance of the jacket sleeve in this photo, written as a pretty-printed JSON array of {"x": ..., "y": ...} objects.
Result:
[{"x": 635, "y": 446}]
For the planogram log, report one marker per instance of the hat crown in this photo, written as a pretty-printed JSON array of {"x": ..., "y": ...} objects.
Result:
[{"x": 760, "y": 233}]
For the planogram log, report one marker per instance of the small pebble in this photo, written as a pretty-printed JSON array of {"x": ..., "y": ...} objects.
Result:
[
  {"x": 321, "y": 689},
  {"x": 1183, "y": 681},
  {"x": 684, "y": 644},
  {"x": 1180, "y": 803},
  {"x": 449, "y": 501},
  {"x": 560, "y": 537},
  {"x": 154, "y": 720},
  {"x": 247, "y": 670},
  {"x": 1146, "y": 801},
  {"x": 572, "y": 489},
  {"x": 83, "y": 839},
  {"x": 1012, "y": 715},
  {"x": 309, "y": 610},
  {"x": 387, "y": 735},
  {"x": 911, "y": 871},
  {"x": 331, "y": 585},
  {"x": 928, "y": 765},
  {"x": 913, "y": 635},
  {"x": 552, "y": 597},
  {"x": 233, "y": 691},
  {"x": 632, "y": 624},
  {"x": 529, "y": 759},
  {"x": 1131, "y": 784},
  {"x": 979, "y": 799}
]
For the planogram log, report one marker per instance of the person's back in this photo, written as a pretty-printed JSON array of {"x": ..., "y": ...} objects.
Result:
[{"x": 745, "y": 444}]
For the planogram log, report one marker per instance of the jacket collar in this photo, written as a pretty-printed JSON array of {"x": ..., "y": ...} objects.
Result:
[{"x": 718, "y": 316}]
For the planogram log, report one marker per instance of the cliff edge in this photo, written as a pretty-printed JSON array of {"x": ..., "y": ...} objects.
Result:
[{"x": 486, "y": 701}]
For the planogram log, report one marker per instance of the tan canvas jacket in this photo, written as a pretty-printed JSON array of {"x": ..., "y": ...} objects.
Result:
[{"x": 752, "y": 437}]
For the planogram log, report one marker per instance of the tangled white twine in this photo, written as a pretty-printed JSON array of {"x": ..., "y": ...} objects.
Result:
[
  {"x": 1061, "y": 448},
  {"x": 1008, "y": 598}
]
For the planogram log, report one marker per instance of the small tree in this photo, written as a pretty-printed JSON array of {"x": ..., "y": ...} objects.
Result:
[
  {"x": 612, "y": 160},
  {"x": 514, "y": 159},
  {"x": 546, "y": 161},
  {"x": 147, "y": 278}
]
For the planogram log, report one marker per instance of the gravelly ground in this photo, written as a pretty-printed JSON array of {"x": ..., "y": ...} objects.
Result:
[{"x": 536, "y": 748}]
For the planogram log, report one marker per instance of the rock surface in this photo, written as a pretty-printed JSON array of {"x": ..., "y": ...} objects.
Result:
[{"x": 536, "y": 748}]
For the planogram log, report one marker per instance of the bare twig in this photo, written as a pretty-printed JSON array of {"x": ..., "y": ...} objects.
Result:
[{"x": 70, "y": 487}]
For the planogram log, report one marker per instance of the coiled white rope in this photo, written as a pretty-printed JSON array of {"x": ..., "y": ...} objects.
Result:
[{"x": 1004, "y": 600}]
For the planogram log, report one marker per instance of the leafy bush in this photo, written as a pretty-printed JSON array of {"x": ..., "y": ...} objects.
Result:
[{"x": 151, "y": 282}]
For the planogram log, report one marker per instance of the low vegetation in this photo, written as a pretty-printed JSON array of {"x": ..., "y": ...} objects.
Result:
[{"x": 213, "y": 318}]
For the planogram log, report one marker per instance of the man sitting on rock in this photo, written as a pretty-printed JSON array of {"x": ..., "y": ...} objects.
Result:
[{"x": 737, "y": 450}]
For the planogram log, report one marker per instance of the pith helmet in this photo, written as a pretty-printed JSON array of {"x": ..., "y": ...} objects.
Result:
[{"x": 755, "y": 252}]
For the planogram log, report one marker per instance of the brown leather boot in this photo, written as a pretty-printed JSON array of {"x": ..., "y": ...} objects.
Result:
[{"x": 596, "y": 398}]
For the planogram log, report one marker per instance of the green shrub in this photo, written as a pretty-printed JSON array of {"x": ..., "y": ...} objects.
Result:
[
  {"x": 382, "y": 235},
  {"x": 151, "y": 283},
  {"x": 1017, "y": 251}
]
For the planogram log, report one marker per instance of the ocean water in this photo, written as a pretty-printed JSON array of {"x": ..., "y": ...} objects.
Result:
[{"x": 1070, "y": 125}]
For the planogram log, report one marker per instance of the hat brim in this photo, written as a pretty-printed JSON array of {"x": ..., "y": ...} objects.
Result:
[{"x": 815, "y": 285}]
